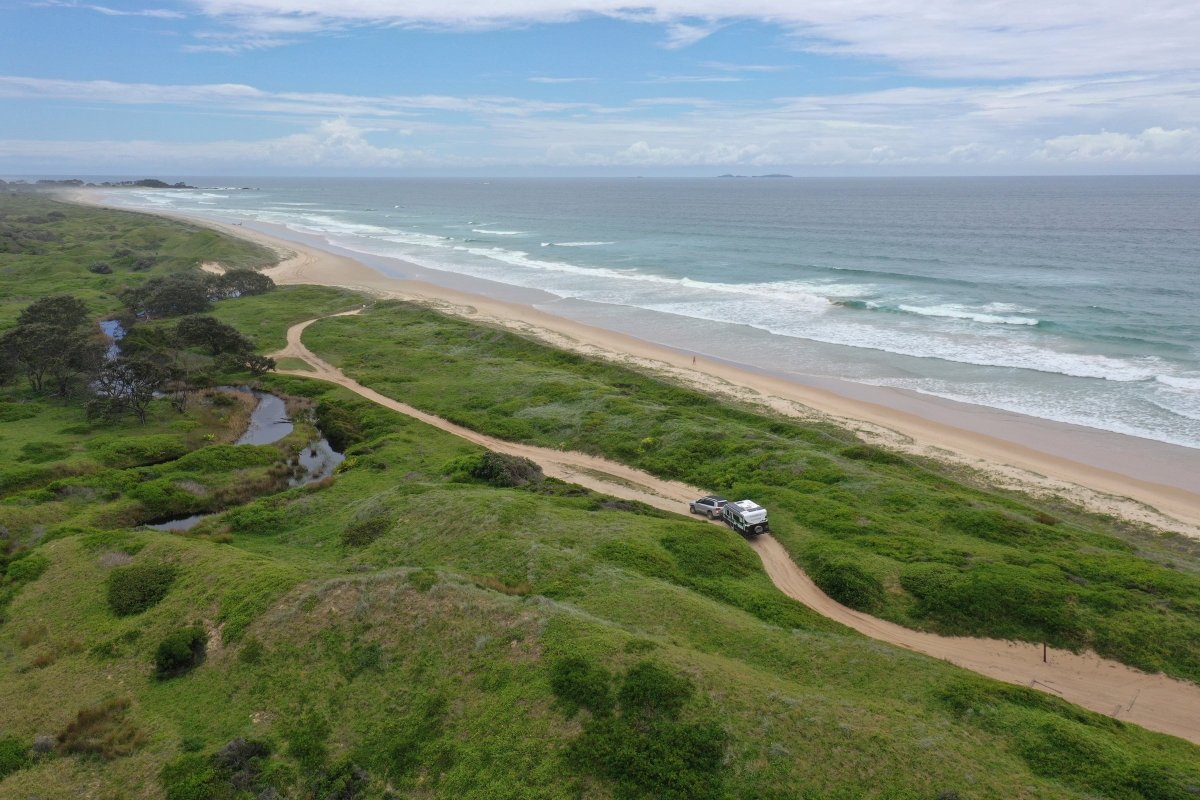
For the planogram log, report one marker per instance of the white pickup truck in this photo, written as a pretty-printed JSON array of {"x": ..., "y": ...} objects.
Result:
[{"x": 746, "y": 517}]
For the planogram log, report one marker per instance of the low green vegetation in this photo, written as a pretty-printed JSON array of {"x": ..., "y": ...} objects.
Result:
[
  {"x": 438, "y": 621},
  {"x": 901, "y": 538},
  {"x": 49, "y": 248}
]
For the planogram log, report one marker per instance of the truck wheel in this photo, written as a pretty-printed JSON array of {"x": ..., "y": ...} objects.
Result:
[{"x": 759, "y": 528}]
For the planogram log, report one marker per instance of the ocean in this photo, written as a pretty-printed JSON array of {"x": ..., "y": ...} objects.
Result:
[{"x": 1068, "y": 299}]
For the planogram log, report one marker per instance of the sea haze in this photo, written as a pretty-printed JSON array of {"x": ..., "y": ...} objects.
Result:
[{"x": 1071, "y": 299}]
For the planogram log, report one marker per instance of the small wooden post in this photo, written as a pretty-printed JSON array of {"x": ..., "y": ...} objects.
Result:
[{"x": 1044, "y": 659}]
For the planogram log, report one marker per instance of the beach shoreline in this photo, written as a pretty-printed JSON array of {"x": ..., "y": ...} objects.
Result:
[{"x": 1148, "y": 483}]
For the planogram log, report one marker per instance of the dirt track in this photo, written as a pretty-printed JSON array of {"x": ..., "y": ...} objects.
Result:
[{"x": 1109, "y": 687}]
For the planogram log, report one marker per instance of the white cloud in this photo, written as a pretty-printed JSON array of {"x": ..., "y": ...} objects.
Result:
[
  {"x": 333, "y": 143},
  {"x": 155, "y": 13},
  {"x": 964, "y": 38},
  {"x": 1152, "y": 144},
  {"x": 549, "y": 80},
  {"x": 1027, "y": 125}
]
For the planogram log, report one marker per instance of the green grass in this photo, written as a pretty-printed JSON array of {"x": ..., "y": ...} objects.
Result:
[
  {"x": 47, "y": 246},
  {"x": 265, "y": 318},
  {"x": 902, "y": 538},
  {"x": 427, "y": 655}
]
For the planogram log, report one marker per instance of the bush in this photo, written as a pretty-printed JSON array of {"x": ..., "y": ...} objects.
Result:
[
  {"x": 14, "y": 755},
  {"x": 100, "y": 268},
  {"x": 179, "y": 653},
  {"x": 650, "y": 691},
  {"x": 876, "y": 455},
  {"x": 368, "y": 524},
  {"x": 990, "y": 524},
  {"x": 842, "y": 577},
  {"x": 647, "y": 751},
  {"x": 137, "y": 587},
  {"x": 578, "y": 683},
  {"x": 497, "y": 469},
  {"x": 104, "y": 731},
  {"x": 236, "y": 770}
]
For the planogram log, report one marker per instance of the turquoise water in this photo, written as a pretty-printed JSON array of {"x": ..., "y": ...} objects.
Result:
[{"x": 1072, "y": 299}]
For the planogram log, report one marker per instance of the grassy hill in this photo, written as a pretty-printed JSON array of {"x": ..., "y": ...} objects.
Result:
[
  {"x": 402, "y": 630},
  {"x": 902, "y": 538}
]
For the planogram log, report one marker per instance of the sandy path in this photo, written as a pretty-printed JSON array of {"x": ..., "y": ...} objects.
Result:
[{"x": 1109, "y": 687}]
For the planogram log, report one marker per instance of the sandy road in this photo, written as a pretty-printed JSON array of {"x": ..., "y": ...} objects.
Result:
[{"x": 1109, "y": 687}]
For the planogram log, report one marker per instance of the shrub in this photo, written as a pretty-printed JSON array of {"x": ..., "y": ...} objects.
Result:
[
  {"x": 236, "y": 770},
  {"x": 137, "y": 587},
  {"x": 876, "y": 455},
  {"x": 26, "y": 568},
  {"x": 647, "y": 751},
  {"x": 578, "y": 683},
  {"x": 990, "y": 524},
  {"x": 844, "y": 579},
  {"x": 497, "y": 469},
  {"x": 368, "y": 524},
  {"x": 100, "y": 268},
  {"x": 14, "y": 755},
  {"x": 104, "y": 731},
  {"x": 651, "y": 691},
  {"x": 180, "y": 652}
]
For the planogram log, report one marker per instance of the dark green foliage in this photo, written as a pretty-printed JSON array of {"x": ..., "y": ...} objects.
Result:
[
  {"x": 841, "y": 575},
  {"x": 368, "y": 524},
  {"x": 14, "y": 755},
  {"x": 236, "y": 770},
  {"x": 212, "y": 335},
  {"x": 55, "y": 345},
  {"x": 340, "y": 425},
  {"x": 990, "y": 524},
  {"x": 134, "y": 451},
  {"x": 651, "y": 692},
  {"x": 25, "y": 567},
  {"x": 1063, "y": 742},
  {"x": 41, "y": 452},
  {"x": 307, "y": 735},
  {"x": 180, "y": 652},
  {"x": 647, "y": 750},
  {"x": 876, "y": 455},
  {"x": 580, "y": 684},
  {"x": 104, "y": 731},
  {"x": 252, "y": 651},
  {"x": 123, "y": 385},
  {"x": 100, "y": 268},
  {"x": 407, "y": 741},
  {"x": 239, "y": 283},
  {"x": 167, "y": 297},
  {"x": 137, "y": 587},
  {"x": 496, "y": 469}
]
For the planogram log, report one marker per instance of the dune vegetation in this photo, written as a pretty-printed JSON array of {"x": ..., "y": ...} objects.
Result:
[{"x": 435, "y": 621}]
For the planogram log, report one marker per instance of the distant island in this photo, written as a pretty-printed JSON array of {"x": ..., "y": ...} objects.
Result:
[
  {"x": 144, "y": 183},
  {"x": 771, "y": 175}
]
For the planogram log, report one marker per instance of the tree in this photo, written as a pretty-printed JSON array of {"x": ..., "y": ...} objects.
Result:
[
  {"x": 168, "y": 297},
  {"x": 126, "y": 384},
  {"x": 240, "y": 283},
  {"x": 212, "y": 334},
  {"x": 55, "y": 344}
]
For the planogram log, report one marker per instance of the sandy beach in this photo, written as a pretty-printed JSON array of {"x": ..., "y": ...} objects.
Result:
[{"x": 1136, "y": 479}]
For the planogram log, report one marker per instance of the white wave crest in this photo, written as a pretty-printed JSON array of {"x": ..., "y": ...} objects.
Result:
[
  {"x": 575, "y": 244},
  {"x": 498, "y": 233},
  {"x": 967, "y": 313}
]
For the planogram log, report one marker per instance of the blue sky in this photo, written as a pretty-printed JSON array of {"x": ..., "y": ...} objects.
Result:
[{"x": 595, "y": 87}]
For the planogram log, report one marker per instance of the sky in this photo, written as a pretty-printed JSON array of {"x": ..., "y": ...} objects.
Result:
[{"x": 599, "y": 87}]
